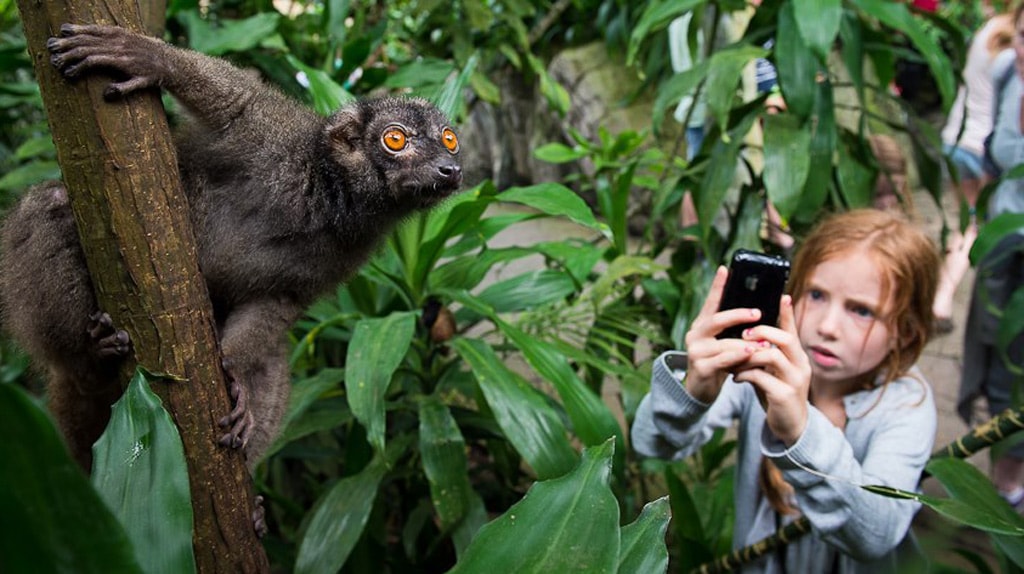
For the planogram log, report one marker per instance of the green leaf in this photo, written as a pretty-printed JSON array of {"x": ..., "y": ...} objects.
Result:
[
  {"x": 720, "y": 175},
  {"x": 443, "y": 451},
  {"x": 786, "y": 161},
  {"x": 449, "y": 100},
  {"x": 797, "y": 65},
  {"x": 528, "y": 290},
  {"x": 974, "y": 501},
  {"x": 522, "y": 412},
  {"x": 554, "y": 199},
  {"x": 818, "y": 22},
  {"x": 339, "y": 517},
  {"x": 643, "y": 541},
  {"x": 591, "y": 419},
  {"x": 140, "y": 471},
  {"x": 673, "y": 90},
  {"x": 823, "y": 142},
  {"x": 558, "y": 153},
  {"x": 621, "y": 267},
  {"x": 993, "y": 232},
  {"x": 375, "y": 352},
  {"x": 688, "y": 526},
  {"x": 656, "y": 16},
  {"x": 726, "y": 69},
  {"x": 29, "y": 174},
  {"x": 38, "y": 146},
  {"x": 230, "y": 35},
  {"x": 303, "y": 394},
  {"x": 55, "y": 520},
  {"x": 568, "y": 524},
  {"x": 856, "y": 180},
  {"x": 485, "y": 88},
  {"x": 327, "y": 94},
  {"x": 896, "y": 15}
]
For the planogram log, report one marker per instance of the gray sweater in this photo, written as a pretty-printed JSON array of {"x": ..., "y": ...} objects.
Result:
[{"x": 887, "y": 441}]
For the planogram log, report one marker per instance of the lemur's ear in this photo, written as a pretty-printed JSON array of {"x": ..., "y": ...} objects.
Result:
[{"x": 346, "y": 127}]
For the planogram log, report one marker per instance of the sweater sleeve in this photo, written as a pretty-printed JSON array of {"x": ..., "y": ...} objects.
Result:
[
  {"x": 827, "y": 477},
  {"x": 670, "y": 423}
]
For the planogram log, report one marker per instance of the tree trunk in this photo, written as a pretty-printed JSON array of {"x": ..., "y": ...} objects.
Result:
[{"x": 121, "y": 173}]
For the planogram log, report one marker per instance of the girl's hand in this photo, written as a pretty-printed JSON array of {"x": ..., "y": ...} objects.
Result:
[
  {"x": 710, "y": 360},
  {"x": 781, "y": 374}
]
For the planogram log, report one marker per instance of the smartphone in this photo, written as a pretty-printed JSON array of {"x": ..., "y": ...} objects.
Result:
[{"x": 756, "y": 281}]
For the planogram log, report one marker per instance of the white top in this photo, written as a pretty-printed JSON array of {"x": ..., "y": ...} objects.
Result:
[{"x": 974, "y": 95}]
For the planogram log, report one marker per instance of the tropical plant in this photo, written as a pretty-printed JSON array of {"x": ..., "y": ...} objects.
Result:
[{"x": 456, "y": 370}]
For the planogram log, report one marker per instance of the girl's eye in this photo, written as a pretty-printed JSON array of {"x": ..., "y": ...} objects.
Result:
[
  {"x": 815, "y": 294},
  {"x": 862, "y": 311},
  {"x": 450, "y": 140},
  {"x": 394, "y": 138}
]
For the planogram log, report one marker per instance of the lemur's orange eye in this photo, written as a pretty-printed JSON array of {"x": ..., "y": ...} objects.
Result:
[
  {"x": 394, "y": 138},
  {"x": 451, "y": 141}
]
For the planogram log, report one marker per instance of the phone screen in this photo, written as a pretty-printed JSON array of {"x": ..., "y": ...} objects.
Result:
[{"x": 756, "y": 281}]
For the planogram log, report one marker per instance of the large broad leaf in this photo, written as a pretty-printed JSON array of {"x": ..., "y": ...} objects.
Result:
[
  {"x": 443, "y": 451},
  {"x": 822, "y": 147},
  {"x": 139, "y": 469},
  {"x": 797, "y": 66},
  {"x": 591, "y": 419},
  {"x": 656, "y": 16},
  {"x": 856, "y": 180},
  {"x": 726, "y": 69},
  {"x": 896, "y": 15},
  {"x": 973, "y": 500},
  {"x": 966, "y": 483},
  {"x": 674, "y": 89},
  {"x": 555, "y": 199},
  {"x": 327, "y": 94},
  {"x": 721, "y": 173},
  {"x": 339, "y": 516},
  {"x": 786, "y": 161},
  {"x": 449, "y": 100},
  {"x": 528, "y": 290},
  {"x": 568, "y": 524},
  {"x": 688, "y": 526},
  {"x": 818, "y": 22},
  {"x": 993, "y": 232},
  {"x": 643, "y": 541},
  {"x": 54, "y": 519},
  {"x": 303, "y": 394},
  {"x": 377, "y": 349},
  {"x": 522, "y": 412},
  {"x": 230, "y": 35}
]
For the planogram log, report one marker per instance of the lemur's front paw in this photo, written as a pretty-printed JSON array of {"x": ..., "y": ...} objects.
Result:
[
  {"x": 240, "y": 419},
  {"x": 80, "y": 48},
  {"x": 109, "y": 341}
]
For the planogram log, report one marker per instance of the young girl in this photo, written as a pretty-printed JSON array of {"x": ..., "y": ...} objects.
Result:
[{"x": 843, "y": 405}]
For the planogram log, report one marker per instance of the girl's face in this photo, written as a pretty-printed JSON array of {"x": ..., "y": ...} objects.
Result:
[{"x": 840, "y": 319}]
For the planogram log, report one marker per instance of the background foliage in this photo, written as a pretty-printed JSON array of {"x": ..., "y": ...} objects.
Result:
[{"x": 432, "y": 393}]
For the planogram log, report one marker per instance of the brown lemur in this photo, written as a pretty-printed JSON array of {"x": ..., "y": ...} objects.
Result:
[{"x": 285, "y": 205}]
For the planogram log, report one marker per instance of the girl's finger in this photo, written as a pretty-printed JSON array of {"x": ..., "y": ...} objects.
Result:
[
  {"x": 714, "y": 297},
  {"x": 787, "y": 318}
]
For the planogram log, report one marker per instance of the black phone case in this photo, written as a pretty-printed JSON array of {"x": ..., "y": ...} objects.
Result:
[{"x": 756, "y": 281}]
